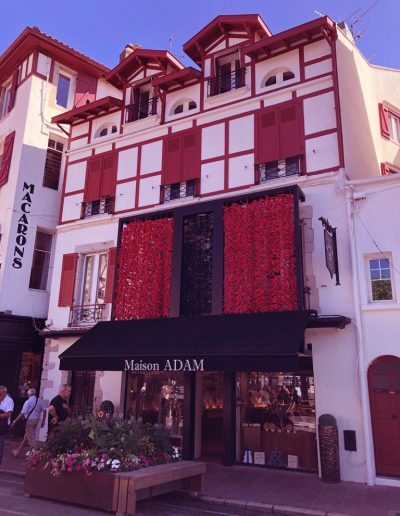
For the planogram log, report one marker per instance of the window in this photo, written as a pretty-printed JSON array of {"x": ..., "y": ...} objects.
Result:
[
  {"x": 143, "y": 105},
  {"x": 229, "y": 75},
  {"x": 281, "y": 168},
  {"x": 63, "y": 90},
  {"x": 181, "y": 161},
  {"x": 179, "y": 190},
  {"x": 109, "y": 129},
  {"x": 100, "y": 185},
  {"x": 52, "y": 166},
  {"x": 379, "y": 270},
  {"x": 394, "y": 126},
  {"x": 94, "y": 279},
  {"x": 271, "y": 80},
  {"x": 178, "y": 109},
  {"x": 286, "y": 76},
  {"x": 386, "y": 169},
  {"x": 103, "y": 132},
  {"x": 278, "y": 76},
  {"x": 5, "y": 93},
  {"x": 192, "y": 104},
  {"x": 41, "y": 261},
  {"x": 390, "y": 122},
  {"x": 184, "y": 105}
]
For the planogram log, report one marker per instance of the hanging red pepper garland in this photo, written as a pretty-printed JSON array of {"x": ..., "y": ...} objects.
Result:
[
  {"x": 145, "y": 262},
  {"x": 260, "y": 256}
]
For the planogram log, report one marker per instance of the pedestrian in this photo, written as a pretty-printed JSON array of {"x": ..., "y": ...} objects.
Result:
[
  {"x": 59, "y": 409},
  {"x": 6, "y": 410},
  {"x": 30, "y": 413}
]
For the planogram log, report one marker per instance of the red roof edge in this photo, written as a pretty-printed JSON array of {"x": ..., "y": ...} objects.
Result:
[
  {"x": 83, "y": 112},
  {"x": 176, "y": 77}
]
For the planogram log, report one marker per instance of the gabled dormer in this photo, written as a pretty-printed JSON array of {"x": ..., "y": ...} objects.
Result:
[
  {"x": 217, "y": 48},
  {"x": 135, "y": 74}
]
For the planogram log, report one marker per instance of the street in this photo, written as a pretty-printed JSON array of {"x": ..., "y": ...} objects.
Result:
[{"x": 14, "y": 502}]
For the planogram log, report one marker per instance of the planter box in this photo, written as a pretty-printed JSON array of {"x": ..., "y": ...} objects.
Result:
[{"x": 115, "y": 492}]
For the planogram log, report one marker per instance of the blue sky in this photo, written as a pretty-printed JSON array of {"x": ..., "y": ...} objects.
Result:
[{"x": 101, "y": 28}]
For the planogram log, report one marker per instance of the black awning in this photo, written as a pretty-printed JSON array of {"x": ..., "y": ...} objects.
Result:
[{"x": 239, "y": 342}]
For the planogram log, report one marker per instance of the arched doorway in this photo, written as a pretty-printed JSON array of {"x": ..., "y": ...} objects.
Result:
[{"x": 384, "y": 393}]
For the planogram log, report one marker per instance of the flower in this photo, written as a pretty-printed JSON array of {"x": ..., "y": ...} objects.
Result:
[{"x": 100, "y": 413}]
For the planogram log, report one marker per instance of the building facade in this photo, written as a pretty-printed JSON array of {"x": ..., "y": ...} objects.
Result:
[
  {"x": 204, "y": 275},
  {"x": 39, "y": 78}
]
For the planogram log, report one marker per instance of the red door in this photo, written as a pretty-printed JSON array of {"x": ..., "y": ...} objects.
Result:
[{"x": 384, "y": 389}]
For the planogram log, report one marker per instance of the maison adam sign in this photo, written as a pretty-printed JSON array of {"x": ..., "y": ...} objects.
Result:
[
  {"x": 22, "y": 227},
  {"x": 173, "y": 364}
]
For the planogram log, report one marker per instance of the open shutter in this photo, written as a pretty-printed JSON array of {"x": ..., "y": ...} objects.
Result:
[
  {"x": 13, "y": 91},
  {"x": 172, "y": 161},
  {"x": 268, "y": 136},
  {"x": 6, "y": 158},
  {"x": 67, "y": 283},
  {"x": 290, "y": 137},
  {"x": 108, "y": 176},
  {"x": 384, "y": 120},
  {"x": 385, "y": 170},
  {"x": 85, "y": 89},
  {"x": 93, "y": 180},
  {"x": 190, "y": 156},
  {"x": 111, "y": 265}
]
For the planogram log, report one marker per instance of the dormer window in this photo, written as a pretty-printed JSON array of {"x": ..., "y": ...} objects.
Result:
[
  {"x": 109, "y": 129},
  {"x": 278, "y": 76},
  {"x": 229, "y": 75},
  {"x": 182, "y": 106},
  {"x": 143, "y": 105}
]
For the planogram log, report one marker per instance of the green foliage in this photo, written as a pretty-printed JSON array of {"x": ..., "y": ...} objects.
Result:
[{"x": 71, "y": 435}]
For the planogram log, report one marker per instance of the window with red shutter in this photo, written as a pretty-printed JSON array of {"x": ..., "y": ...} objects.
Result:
[
  {"x": 290, "y": 138},
  {"x": 6, "y": 158},
  {"x": 268, "y": 136},
  {"x": 108, "y": 176},
  {"x": 85, "y": 89},
  {"x": 172, "y": 161},
  {"x": 190, "y": 156},
  {"x": 384, "y": 120},
  {"x": 111, "y": 266},
  {"x": 13, "y": 91},
  {"x": 93, "y": 180},
  {"x": 67, "y": 282}
]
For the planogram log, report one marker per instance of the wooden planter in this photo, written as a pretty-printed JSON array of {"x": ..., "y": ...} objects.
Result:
[{"x": 115, "y": 492}]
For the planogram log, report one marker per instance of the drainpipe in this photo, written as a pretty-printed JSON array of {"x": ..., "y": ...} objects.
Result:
[{"x": 362, "y": 377}]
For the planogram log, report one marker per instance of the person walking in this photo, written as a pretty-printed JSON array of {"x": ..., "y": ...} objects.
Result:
[
  {"x": 6, "y": 410},
  {"x": 59, "y": 409},
  {"x": 30, "y": 413}
]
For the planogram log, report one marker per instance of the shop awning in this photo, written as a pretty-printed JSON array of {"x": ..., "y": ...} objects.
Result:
[{"x": 239, "y": 342}]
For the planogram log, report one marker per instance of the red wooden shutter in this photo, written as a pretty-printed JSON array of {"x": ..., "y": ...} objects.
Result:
[
  {"x": 13, "y": 91},
  {"x": 190, "y": 156},
  {"x": 268, "y": 136},
  {"x": 108, "y": 176},
  {"x": 384, "y": 119},
  {"x": 93, "y": 180},
  {"x": 111, "y": 264},
  {"x": 6, "y": 159},
  {"x": 172, "y": 161},
  {"x": 85, "y": 89},
  {"x": 67, "y": 283},
  {"x": 290, "y": 138}
]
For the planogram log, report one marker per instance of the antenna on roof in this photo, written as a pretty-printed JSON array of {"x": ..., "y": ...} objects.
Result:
[
  {"x": 357, "y": 19},
  {"x": 319, "y": 14},
  {"x": 170, "y": 41}
]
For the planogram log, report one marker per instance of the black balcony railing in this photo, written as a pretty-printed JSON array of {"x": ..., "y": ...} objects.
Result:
[
  {"x": 82, "y": 315},
  {"x": 100, "y": 207},
  {"x": 141, "y": 109},
  {"x": 277, "y": 169},
  {"x": 226, "y": 82},
  {"x": 179, "y": 190}
]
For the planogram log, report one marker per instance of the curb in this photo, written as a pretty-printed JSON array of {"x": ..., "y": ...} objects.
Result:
[
  {"x": 266, "y": 508},
  {"x": 13, "y": 472}
]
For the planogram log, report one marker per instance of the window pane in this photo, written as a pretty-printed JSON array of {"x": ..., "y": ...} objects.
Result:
[
  {"x": 101, "y": 279},
  {"x": 41, "y": 261},
  {"x": 384, "y": 263},
  {"x": 87, "y": 280},
  {"x": 382, "y": 290},
  {"x": 374, "y": 264},
  {"x": 43, "y": 241},
  {"x": 63, "y": 90},
  {"x": 52, "y": 169},
  {"x": 375, "y": 275},
  {"x": 385, "y": 273}
]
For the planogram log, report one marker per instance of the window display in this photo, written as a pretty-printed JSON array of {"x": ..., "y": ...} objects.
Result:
[{"x": 276, "y": 412}]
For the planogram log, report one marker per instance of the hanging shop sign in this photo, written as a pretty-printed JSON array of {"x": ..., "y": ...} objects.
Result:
[
  {"x": 174, "y": 364},
  {"x": 331, "y": 255},
  {"x": 22, "y": 227}
]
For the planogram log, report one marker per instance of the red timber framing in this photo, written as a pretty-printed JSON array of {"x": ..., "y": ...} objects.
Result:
[{"x": 181, "y": 157}]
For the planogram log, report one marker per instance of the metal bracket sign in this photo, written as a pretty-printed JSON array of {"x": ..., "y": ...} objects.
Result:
[{"x": 331, "y": 255}]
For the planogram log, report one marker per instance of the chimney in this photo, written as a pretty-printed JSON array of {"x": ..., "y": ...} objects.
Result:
[{"x": 129, "y": 48}]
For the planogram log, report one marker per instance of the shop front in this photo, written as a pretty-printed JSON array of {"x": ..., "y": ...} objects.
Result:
[{"x": 230, "y": 388}]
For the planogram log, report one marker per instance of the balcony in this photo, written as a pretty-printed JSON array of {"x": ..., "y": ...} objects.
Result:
[
  {"x": 140, "y": 110},
  {"x": 226, "y": 82},
  {"x": 278, "y": 169},
  {"x": 85, "y": 315},
  {"x": 100, "y": 207},
  {"x": 178, "y": 191}
]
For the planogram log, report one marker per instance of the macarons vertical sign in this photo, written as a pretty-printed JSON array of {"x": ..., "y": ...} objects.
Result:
[{"x": 22, "y": 225}]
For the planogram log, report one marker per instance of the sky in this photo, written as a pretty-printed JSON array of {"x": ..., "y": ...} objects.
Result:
[{"x": 101, "y": 29}]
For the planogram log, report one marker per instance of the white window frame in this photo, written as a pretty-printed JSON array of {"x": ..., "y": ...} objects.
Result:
[
  {"x": 394, "y": 127},
  {"x": 5, "y": 91},
  {"x": 63, "y": 142},
  {"x": 93, "y": 289},
  {"x": 71, "y": 92},
  {"x": 379, "y": 256}
]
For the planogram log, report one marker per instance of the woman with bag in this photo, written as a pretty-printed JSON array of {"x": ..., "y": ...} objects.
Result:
[{"x": 30, "y": 416}]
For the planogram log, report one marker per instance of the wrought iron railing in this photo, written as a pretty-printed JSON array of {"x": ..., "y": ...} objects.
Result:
[
  {"x": 82, "y": 315},
  {"x": 141, "y": 110},
  {"x": 100, "y": 207},
  {"x": 179, "y": 190},
  {"x": 277, "y": 169},
  {"x": 226, "y": 82}
]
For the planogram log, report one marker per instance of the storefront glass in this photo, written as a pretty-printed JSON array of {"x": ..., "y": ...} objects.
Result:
[
  {"x": 157, "y": 398},
  {"x": 276, "y": 420}
]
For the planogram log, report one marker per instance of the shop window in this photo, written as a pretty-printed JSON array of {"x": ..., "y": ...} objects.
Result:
[
  {"x": 64, "y": 86},
  {"x": 52, "y": 168},
  {"x": 157, "y": 398},
  {"x": 277, "y": 420},
  {"x": 41, "y": 261},
  {"x": 380, "y": 278}
]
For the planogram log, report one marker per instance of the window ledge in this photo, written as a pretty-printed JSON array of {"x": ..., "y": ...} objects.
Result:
[
  {"x": 228, "y": 95},
  {"x": 144, "y": 123},
  {"x": 379, "y": 306}
]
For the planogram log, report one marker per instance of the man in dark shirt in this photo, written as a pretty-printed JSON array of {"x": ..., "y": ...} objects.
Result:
[{"x": 59, "y": 409}]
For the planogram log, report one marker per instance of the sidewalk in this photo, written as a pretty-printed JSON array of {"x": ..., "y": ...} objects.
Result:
[{"x": 280, "y": 492}]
